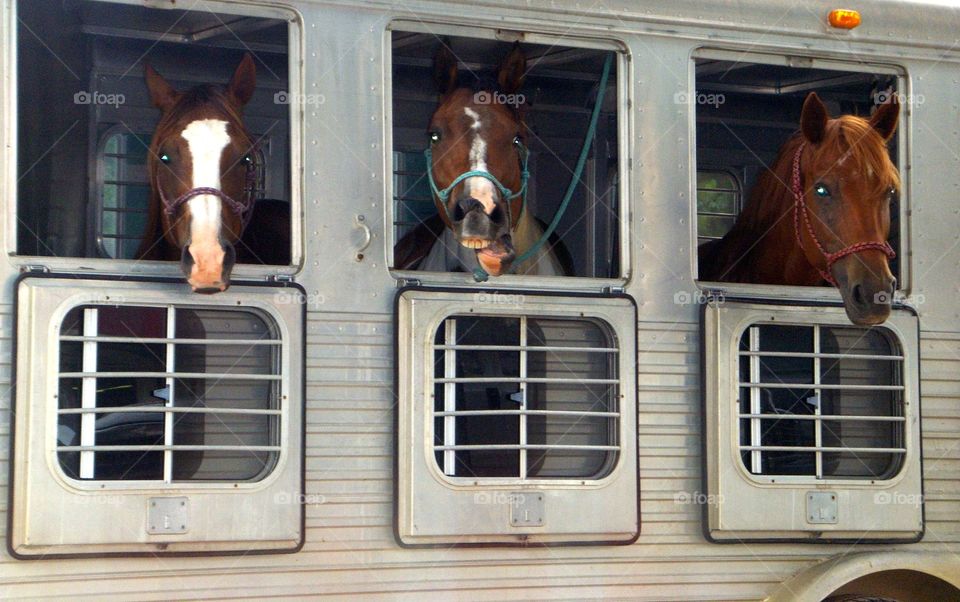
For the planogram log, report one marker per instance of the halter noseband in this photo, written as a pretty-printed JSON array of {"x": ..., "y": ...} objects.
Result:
[
  {"x": 507, "y": 194},
  {"x": 800, "y": 208},
  {"x": 243, "y": 209}
]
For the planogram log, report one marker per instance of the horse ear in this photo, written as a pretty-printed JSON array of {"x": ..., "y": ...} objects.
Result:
[
  {"x": 162, "y": 94},
  {"x": 813, "y": 118},
  {"x": 885, "y": 119},
  {"x": 244, "y": 80},
  {"x": 445, "y": 69},
  {"x": 512, "y": 71}
]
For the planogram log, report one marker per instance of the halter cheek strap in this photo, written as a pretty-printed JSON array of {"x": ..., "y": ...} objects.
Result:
[
  {"x": 243, "y": 209},
  {"x": 800, "y": 211}
]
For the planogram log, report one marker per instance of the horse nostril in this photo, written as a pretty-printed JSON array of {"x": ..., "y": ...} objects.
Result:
[
  {"x": 857, "y": 293},
  {"x": 465, "y": 206}
]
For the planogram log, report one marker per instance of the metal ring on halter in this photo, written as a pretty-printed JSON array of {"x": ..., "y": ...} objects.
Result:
[
  {"x": 244, "y": 210},
  {"x": 800, "y": 208}
]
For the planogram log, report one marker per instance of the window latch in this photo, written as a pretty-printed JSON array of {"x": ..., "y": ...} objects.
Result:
[
  {"x": 519, "y": 397},
  {"x": 35, "y": 269}
]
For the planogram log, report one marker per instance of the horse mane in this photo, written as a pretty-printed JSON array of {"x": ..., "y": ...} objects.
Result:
[
  {"x": 847, "y": 138},
  {"x": 154, "y": 244}
]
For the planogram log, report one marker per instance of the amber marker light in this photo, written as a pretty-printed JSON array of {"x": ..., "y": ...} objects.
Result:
[{"x": 843, "y": 18}]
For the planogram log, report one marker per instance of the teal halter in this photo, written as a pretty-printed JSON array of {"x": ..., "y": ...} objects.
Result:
[{"x": 505, "y": 193}]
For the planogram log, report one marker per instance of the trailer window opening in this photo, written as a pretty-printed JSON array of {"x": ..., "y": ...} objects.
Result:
[
  {"x": 85, "y": 121},
  {"x": 821, "y": 401},
  {"x": 525, "y": 398},
  {"x": 746, "y": 109},
  {"x": 168, "y": 394},
  {"x": 556, "y": 101}
]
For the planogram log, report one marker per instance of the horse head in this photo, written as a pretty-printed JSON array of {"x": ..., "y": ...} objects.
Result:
[
  {"x": 843, "y": 184},
  {"x": 477, "y": 158},
  {"x": 201, "y": 164}
]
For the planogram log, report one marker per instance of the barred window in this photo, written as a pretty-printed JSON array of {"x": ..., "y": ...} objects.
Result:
[
  {"x": 821, "y": 401},
  {"x": 718, "y": 204},
  {"x": 525, "y": 397},
  {"x": 168, "y": 394}
]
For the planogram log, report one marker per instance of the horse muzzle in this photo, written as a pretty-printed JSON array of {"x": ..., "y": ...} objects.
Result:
[
  {"x": 867, "y": 299},
  {"x": 207, "y": 267},
  {"x": 477, "y": 229}
]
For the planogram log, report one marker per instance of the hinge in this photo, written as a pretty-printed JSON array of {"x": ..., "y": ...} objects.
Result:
[
  {"x": 613, "y": 290},
  {"x": 405, "y": 282},
  {"x": 285, "y": 278},
  {"x": 35, "y": 269}
]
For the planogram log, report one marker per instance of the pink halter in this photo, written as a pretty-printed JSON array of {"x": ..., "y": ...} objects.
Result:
[{"x": 800, "y": 208}]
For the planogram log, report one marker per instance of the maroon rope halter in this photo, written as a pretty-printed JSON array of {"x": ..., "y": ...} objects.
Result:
[
  {"x": 244, "y": 209},
  {"x": 800, "y": 208}
]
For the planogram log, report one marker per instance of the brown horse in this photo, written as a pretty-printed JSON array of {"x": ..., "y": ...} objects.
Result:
[
  {"x": 201, "y": 170},
  {"x": 821, "y": 215},
  {"x": 477, "y": 167}
]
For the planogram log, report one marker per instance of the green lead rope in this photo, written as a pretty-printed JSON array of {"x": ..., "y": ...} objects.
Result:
[{"x": 481, "y": 275}]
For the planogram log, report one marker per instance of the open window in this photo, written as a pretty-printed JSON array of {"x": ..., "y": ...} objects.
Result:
[
  {"x": 556, "y": 101},
  {"x": 517, "y": 410},
  {"x": 156, "y": 418},
  {"x": 812, "y": 415},
  {"x": 748, "y": 105},
  {"x": 85, "y": 119}
]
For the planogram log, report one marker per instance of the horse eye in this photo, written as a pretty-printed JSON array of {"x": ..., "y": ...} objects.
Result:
[
  {"x": 165, "y": 158},
  {"x": 821, "y": 191},
  {"x": 248, "y": 159},
  {"x": 434, "y": 137},
  {"x": 517, "y": 141}
]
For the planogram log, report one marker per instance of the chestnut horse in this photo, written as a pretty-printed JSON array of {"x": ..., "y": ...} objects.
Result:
[
  {"x": 821, "y": 215},
  {"x": 201, "y": 169},
  {"x": 477, "y": 165}
]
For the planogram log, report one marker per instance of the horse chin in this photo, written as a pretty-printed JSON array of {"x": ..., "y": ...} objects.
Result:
[{"x": 497, "y": 256}]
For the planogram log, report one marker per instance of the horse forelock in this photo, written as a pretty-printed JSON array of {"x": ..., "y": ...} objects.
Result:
[
  {"x": 853, "y": 144},
  {"x": 201, "y": 102}
]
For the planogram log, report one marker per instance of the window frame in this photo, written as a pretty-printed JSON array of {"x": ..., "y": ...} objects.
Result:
[
  {"x": 429, "y": 506},
  {"x": 106, "y": 265},
  {"x": 116, "y": 511},
  {"x": 805, "y": 60},
  {"x": 733, "y": 509},
  {"x": 506, "y": 32}
]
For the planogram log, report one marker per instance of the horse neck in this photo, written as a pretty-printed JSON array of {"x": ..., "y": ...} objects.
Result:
[
  {"x": 526, "y": 234},
  {"x": 762, "y": 246}
]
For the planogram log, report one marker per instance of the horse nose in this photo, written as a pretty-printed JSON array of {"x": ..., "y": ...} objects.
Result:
[
  {"x": 207, "y": 267},
  {"x": 464, "y": 206}
]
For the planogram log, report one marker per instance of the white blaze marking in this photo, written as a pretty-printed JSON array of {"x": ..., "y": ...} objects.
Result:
[
  {"x": 479, "y": 188},
  {"x": 206, "y": 139}
]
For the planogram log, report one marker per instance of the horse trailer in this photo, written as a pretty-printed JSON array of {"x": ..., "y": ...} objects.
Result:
[{"x": 358, "y": 411}]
